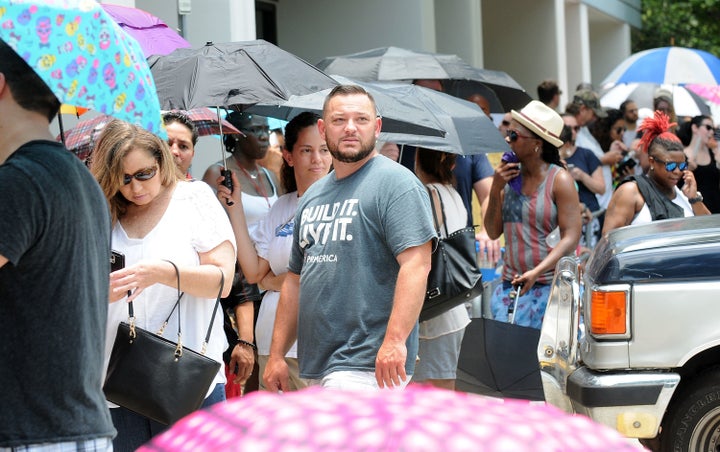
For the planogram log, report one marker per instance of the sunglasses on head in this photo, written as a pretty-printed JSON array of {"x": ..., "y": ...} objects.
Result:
[
  {"x": 142, "y": 175},
  {"x": 513, "y": 135},
  {"x": 670, "y": 166}
]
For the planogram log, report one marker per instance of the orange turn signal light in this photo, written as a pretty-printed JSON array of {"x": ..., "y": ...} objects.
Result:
[{"x": 608, "y": 313}]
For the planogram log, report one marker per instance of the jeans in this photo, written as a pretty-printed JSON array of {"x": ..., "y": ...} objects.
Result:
[{"x": 134, "y": 430}]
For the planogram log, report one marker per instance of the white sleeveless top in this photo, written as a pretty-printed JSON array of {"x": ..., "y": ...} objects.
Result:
[{"x": 257, "y": 207}]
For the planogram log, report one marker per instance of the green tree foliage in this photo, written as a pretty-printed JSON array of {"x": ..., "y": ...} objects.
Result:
[{"x": 688, "y": 23}]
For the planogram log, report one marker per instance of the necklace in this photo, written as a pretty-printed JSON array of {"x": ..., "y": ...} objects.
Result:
[{"x": 259, "y": 188}]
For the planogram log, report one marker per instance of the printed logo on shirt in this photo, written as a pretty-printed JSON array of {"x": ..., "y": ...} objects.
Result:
[
  {"x": 285, "y": 229},
  {"x": 327, "y": 222}
]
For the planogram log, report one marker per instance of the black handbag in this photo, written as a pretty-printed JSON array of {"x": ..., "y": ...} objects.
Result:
[
  {"x": 155, "y": 377},
  {"x": 454, "y": 277}
]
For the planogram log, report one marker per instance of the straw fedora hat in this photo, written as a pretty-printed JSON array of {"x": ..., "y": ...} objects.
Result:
[{"x": 542, "y": 120}]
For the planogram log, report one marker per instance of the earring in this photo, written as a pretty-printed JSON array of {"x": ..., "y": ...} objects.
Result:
[
  {"x": 537, "y": 149},
  {"x": 652, "y": 168}
]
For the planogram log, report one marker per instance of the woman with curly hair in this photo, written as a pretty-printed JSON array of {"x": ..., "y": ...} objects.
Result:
[{"x": 655, "y": 196}]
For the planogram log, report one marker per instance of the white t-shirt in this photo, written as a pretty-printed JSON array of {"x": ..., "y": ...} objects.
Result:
[
  {"x": 645, "y": 217},
  {"x": 456, "y": 318},
  {"x": 193, "y": 223},
  {"x": 586, "y": 140},
  {"x": 273, "y": 241}
]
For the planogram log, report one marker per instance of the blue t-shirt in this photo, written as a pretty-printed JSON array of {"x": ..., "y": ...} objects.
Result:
[
  {"x": 585, "y": 160},
  {"x": 347, "y": 236}
]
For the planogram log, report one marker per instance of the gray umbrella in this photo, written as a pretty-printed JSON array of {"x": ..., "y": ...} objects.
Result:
[
  {"x": 233, "y": 74},
  {"x": 399, "y": 114},
  {"x": 394, "y": 63},
  {"x": 468, "y": 129},
  {"x": 406, "y": 109}
]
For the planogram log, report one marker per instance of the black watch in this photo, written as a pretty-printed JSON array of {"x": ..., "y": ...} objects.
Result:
[{"x": 696, "y": 199}]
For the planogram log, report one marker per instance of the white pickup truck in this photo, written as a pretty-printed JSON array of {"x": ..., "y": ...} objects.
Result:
[{"x": 639, "y": 349}]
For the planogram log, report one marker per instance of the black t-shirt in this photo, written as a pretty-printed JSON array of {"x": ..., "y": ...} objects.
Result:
[{"x": 55, "y": 233}]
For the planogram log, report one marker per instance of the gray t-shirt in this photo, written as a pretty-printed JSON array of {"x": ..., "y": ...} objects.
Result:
[{"x": 350, "y": 232}]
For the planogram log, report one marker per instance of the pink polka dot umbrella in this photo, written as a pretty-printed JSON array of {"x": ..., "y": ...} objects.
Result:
[{"x": 420, "y": 418}]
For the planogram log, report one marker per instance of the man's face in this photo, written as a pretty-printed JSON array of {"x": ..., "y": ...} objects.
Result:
[
  {"x": 571, "y": 122},
  {"x": 181, "y": 146},
  {"x": 631, "y": 113},
  {"x": 585, "y": 115},
  {"x": 350, "y": 127}
]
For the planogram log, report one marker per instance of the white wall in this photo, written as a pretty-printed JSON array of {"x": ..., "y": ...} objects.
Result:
[
  {"x": 609, "y": 45},
  {"x": 519, "y": 38},
  {"x": 315, "y": 29},
  {"x": 458, "y": 27}
]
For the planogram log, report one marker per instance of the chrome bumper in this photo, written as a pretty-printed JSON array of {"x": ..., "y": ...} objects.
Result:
[{"x": 632, "y": 403}]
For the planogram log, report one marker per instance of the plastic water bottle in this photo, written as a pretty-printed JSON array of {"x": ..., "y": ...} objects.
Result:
[{"x": 553, "y": 238}]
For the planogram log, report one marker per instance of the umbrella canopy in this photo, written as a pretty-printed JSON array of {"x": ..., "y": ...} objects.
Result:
[
  {"x": 394, "y": 63},
  {"x": 234, "y": 74},
  {"x": 81, "y": 139},
  {"x": 418, "y": 418},
  {"x": 685, "y": 102},
  {"x": 468, "y": 129},
  {"x": 399, "y": 114},
  {"x": 84, "y": 57},
  {"x": 409, "y": 115},
  {"x": 153, "y": 35},
  {"x": 500, "y": 359},
  {"x": 206, "y": 122},
  {"x": 671, "y": 65}
]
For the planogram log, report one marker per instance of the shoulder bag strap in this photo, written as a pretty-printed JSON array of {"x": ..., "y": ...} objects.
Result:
[
  {"x": 435, "y": 205},
  {"x": 212, "y": 319}
]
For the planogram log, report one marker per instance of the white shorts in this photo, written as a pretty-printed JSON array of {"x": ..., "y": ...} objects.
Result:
[{"x": 352, "y": 380}]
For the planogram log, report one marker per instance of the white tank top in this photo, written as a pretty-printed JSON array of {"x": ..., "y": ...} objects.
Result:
[{"x": 256, "y": 207}]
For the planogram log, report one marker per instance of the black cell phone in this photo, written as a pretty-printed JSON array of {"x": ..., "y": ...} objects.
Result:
[{"x": 117, "y": 261}]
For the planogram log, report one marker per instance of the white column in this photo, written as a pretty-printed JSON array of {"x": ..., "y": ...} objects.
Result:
[
  {"x": 562, "y": 53},
  {"x": 242, "y": 20}
]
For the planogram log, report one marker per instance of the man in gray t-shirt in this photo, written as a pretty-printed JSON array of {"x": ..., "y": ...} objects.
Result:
[{"x": 359, "y": 263}]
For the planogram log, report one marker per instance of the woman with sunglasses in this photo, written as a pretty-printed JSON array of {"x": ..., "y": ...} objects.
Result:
[
  {"x": 703, "y": 159},
  {"x": 655, "y": 196},
  {"x": 527, "y": 213},
  {"x": 158, "y": 217}
]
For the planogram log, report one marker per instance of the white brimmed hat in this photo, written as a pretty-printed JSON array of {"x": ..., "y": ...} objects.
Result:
[{"x": 542, "y": 120}]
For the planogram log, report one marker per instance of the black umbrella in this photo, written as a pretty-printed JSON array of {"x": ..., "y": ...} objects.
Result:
[
  {"x": 233, "y": 74},
  {"x": 500, "y": 358},
  {"x": 394, "y": 63}
]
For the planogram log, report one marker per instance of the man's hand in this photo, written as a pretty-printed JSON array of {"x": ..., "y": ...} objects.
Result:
[
  {"x": 243, "y": 358},
  {"x": 390, "y": 364},
  {"x": 277, "y": 375}
]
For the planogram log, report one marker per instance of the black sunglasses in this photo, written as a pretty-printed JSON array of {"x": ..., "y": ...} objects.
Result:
[
  {"x": 670, "y": 166},
  {"x": 505, "y": 123},
  {"x": 142, "y": 175},
  {"x": 709, "y": 127},
  {"x": 513, "y": 135}
]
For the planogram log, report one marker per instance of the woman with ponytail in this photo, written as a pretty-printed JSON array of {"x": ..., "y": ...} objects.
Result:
[{"x": 655, "y": 195}]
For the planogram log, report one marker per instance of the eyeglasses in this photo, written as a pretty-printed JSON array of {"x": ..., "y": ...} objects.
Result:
[
  {"x": 142, "y": 175},
  {"x": 709, "y": 127},
  {"x": 670, "y": 166},
  {"x": 513, "y": 135},
  {"x": 505, "y": 123}
]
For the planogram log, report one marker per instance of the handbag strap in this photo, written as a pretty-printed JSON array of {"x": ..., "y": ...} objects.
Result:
[{"x": 436, "y": 199}]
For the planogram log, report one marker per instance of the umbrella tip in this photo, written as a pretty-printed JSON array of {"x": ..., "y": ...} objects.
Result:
[{"x": 208, "y": 43}]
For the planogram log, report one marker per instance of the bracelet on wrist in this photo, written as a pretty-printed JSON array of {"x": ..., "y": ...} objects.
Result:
[{"x": 249, "y": 344}]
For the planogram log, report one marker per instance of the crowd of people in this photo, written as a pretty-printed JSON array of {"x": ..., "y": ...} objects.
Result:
[{"x": 322, "y": 234}]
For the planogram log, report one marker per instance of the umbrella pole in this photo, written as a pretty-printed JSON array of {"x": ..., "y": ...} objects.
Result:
[
  {"x": 225, "y": 172},
  {"x": 62, "y": 129}
]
